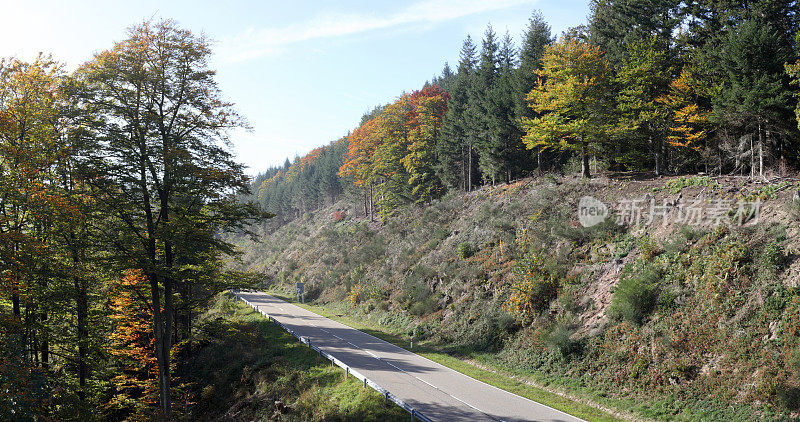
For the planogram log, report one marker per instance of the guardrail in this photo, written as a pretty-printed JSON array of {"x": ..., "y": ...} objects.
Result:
[{"x": 415, "y": 415}]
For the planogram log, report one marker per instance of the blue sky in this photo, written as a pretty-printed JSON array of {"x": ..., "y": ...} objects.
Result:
[{"x": 301, "y": 72}]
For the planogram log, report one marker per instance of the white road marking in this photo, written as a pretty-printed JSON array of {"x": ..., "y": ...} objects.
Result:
[{"x": 401, "y": 370}]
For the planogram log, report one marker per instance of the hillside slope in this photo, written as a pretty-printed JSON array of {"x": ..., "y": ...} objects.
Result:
[{"x": 692, "y": 314}]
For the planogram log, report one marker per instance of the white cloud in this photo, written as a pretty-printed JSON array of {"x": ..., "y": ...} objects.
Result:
[{"x": 257, "y": 42}]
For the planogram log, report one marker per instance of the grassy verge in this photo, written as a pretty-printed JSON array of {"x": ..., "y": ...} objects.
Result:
[
  {"x": 486, "y": 372},
  {"x": 243, "y": 367}
]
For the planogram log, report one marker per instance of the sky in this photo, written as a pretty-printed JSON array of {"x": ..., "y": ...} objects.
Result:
[{"x": 302, "y": 72}]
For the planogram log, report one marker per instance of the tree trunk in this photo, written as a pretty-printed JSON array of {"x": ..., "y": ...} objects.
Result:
[
  {"x": 469, "y": 172},
  {"x": 44, "y": 344},
  {"x": 464, "y": 174},
  {"x": 160, "y": 345},
  {"x": 81, "y": 306},
  {"x": 539, "y": 162},
  {"x": 760, "y": 151},
  {"x": 752, "y": 158},
  {"x": 15, "y": 289},
  {"x": 585, "y": 163},
  {"x": 15, "y": 302}
]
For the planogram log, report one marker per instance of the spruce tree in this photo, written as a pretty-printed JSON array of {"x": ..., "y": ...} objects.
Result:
[
  {"x": 615, "y": 24},
  {"x": 481, "y": 109},
  {"x": 754, "y": 96},
  {"x": 536, "y": 37},
  {"x": 453, "y": 147}
]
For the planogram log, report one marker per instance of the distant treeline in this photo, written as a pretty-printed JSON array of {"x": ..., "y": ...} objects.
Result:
[{"x": 647, "y": 85}]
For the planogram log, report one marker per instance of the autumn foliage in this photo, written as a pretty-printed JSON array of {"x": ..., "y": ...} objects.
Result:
[
  {"x": 394, "y": 149},
  {"x": 132, "y": 345}
]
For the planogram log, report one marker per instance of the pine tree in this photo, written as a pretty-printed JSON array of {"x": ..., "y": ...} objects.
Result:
[
  {"x": 482, "y": 110},
  {"x": 793, "y": 70},
  {"x": 506, "y": 140},
  {"x": 615, "y": 24},
  {"x": 754, "y": 97}
]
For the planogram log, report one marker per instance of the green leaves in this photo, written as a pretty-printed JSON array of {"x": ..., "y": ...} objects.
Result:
[{"x": 573, "y": 99}]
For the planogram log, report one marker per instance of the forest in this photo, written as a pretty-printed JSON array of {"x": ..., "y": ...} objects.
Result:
[
  {"x": 115, "y": 181},
  {"x": 654, "y": 86},
  {"x": 118, "y": 183}
]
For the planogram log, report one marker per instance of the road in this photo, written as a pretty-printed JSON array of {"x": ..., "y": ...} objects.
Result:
[{"x": 440, "y": 393}]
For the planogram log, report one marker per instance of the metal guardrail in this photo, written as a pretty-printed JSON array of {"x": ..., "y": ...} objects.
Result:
[{"x": 415, "y": 415}]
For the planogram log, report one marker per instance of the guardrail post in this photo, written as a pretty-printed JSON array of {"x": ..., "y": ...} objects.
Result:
[{"x": 412, "y": 415}]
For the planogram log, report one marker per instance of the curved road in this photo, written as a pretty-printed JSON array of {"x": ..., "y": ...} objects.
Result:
[{"x": 436, "y": 391}]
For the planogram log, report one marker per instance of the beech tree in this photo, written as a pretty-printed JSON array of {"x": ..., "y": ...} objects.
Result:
[
  {"x": 573, "y": 99},
  {"x": 160, "y": 167},
  {"x": 429, "y": 106},
  {"x": 643, "y": 78},
  {"x": 31, "y": 209}
]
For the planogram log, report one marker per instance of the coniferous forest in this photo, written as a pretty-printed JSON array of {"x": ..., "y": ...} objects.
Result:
[{"x": 121, "y": 200}]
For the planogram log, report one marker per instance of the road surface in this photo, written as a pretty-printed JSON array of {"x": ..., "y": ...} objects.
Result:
[{"x": 436, "y": 391}]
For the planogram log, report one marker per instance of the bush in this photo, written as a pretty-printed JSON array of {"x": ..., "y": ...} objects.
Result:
[
  {"x": 465, "y": 250},
  {"x": 772, "y": 257},
  {"x": 560, "y": 339},
  {"x": 635, "y": 296},
  {"x": 533, "y": 289},
  {"x": 338, "y": 216},
  {"x": 676, "y": 185}
]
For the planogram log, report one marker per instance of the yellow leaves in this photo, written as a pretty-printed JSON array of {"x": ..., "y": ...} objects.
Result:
[
  {"x": 356, "y": 294},
  {"x": 571, "y": 97},
  {"x": 533, "y": 288},
  {"x": 132, "y": 340},
  {"x": 690, "y": 122}
]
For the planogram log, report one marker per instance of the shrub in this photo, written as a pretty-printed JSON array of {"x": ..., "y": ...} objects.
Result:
[
  {"x": 772, "y": 257},
  {"x": 337, "y": 216},
  {"x": 649, "y": 248},
  {"x": 465, "y": 250},
  {"x": 356, "y": 294},
  {"x": 635, "y": 296},
  {"x": 676, "y": 185},
  {"x": 560, "y": 339},
  {"x": 533, "y": 289}
]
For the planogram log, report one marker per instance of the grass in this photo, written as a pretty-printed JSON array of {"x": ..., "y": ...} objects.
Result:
[
  {"x": 488, "y": 373},
  {"x": 243, "y": 364}
]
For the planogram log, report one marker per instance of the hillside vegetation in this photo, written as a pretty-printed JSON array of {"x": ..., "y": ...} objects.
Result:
[{"x": 668, "y": 320}]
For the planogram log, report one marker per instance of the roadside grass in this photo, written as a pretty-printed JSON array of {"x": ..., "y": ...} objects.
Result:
[
  {"x": 241, "y": 364},
  {"x": 487, "y": 372}
]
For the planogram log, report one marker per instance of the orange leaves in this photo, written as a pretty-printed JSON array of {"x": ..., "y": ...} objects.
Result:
[
  {"x": 394, "y": 148},
  {"x": 132, "y": 343},
  {"x": 690, "y": 121}
]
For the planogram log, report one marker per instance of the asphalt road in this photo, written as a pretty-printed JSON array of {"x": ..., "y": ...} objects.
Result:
[{"x": 440, "y": 393}]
